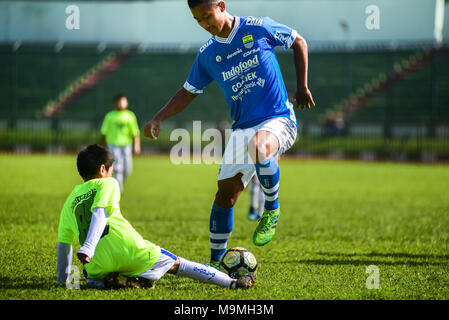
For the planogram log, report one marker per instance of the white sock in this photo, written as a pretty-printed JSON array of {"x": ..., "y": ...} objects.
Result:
[{"x": 203, "y": 273}]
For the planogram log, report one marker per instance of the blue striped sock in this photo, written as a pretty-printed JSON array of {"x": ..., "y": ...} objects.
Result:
[
  {"x": 268, "y": 174},
  {"x": 220, "y": 227}
]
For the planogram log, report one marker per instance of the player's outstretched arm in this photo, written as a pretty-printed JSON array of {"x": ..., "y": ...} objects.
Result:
[
  {"x": 303, "y": 95},
  {"x": 177, "y": 103}
]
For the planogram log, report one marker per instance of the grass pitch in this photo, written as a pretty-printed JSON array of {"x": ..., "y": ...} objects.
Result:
[{"x": 337, "y": 219}]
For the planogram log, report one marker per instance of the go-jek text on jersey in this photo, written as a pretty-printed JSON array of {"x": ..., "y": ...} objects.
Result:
[{"x": 246, "y": 68}]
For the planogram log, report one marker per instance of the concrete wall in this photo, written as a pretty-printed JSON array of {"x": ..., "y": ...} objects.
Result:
[{"x": 170, "y": 22}]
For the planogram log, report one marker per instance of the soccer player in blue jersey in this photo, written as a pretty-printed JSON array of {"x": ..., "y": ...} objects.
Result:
[{"x": 240, "y": 57}]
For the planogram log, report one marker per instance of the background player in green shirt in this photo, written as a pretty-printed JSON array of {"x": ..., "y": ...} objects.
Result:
[
  {"x": 112, "y": 251},
  {"x": 120, "y": 132}
]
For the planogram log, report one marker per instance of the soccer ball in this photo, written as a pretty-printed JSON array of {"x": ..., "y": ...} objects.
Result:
[{"x": 238, "y": 262}]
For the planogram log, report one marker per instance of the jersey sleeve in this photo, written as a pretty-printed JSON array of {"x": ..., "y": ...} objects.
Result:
[
  {"x": 107, "y": 195},
  {"x": 65, "y": 233},
  {"x": 279, "y": 34},
  {"x": 198, "y": 78}
]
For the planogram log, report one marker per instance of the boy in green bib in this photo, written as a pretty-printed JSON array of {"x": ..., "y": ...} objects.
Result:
[
  {"x": 112, "y": 252},
  {"x": 120, "y": 132}
]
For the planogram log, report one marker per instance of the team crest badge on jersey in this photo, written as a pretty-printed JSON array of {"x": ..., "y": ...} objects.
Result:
[{"x": 248, "y": 41}]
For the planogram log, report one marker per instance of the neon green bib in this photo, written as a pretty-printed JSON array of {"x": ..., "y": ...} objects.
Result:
[
  {"x": 120, "y": 127},
  {"x": 120, "y": 249}
]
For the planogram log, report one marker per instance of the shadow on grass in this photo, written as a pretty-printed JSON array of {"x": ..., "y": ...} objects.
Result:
[
  {"x": 358, "y": 259},
  {"x": 367, "y": 262},
  {"x": 24, "y": 283},
  {"x": 388, "y": 255},
  {"x": 7, "y": 283}
]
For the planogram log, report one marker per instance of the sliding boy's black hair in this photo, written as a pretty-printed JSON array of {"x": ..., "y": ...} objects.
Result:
[{"x": 91, "y": 158}]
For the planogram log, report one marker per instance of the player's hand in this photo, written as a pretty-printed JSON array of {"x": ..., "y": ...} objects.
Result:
[
  {"x": 304, "y": 99},
  {"x": 152, "y": 129},
  {"x": 136, "y": 150},
  {"x": 83, "y": 258}
]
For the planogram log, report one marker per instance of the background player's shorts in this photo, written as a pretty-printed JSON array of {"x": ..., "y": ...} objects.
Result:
[
  {"x": 162, "y": 265},
  {"x": 122, "y": 158},
  {"x": 236, "y": 158}
]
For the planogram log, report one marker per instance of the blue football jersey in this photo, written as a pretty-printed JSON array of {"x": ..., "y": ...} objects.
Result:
[{"x": 246, "y": 69}]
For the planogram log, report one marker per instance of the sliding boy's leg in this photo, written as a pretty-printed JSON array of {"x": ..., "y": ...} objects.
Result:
[
  {"x": 169, "y": 263},
  {"x": 209, "y": 274}
]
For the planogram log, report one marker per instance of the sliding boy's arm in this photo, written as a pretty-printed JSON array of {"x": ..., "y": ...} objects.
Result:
[
  {"x": 86, "y": 252},
  {"x": 96, "y": 229}
]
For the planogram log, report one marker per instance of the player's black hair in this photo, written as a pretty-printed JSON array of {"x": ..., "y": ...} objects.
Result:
[
  {"x": 118, "y": 96},
  {"x": 195, "y": 3},
  {"x": 91, "y": 158}
]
